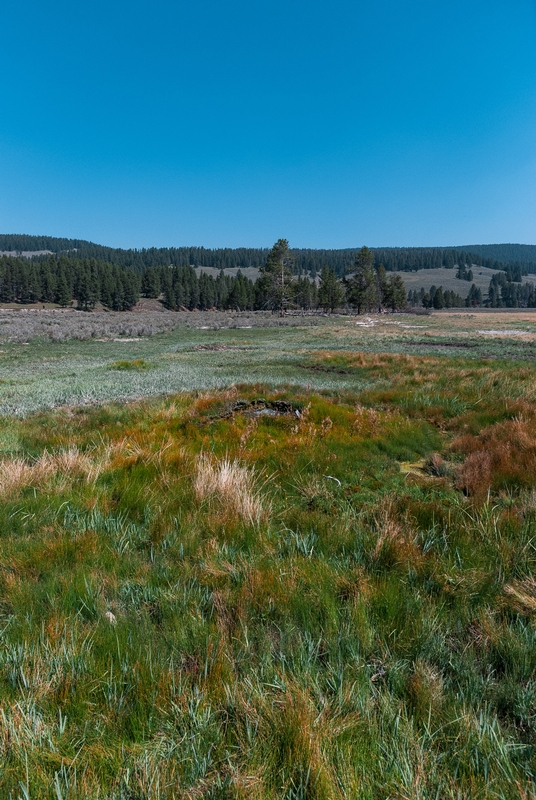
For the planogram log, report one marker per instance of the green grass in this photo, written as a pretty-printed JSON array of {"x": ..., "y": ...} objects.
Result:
[
  {"x": 137, "y": 365},
  {"x": 43, "y": 374},
  {"x": 442, "y": 276},
  {"x": 360, "y": 631},
  {"x": 370, "y": 639}
]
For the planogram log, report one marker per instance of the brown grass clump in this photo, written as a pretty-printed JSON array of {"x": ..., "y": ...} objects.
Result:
[
  {"x": 522, "y": 595},
  {"x": 233, "y": 485},
  {"x": 366, "y": 421},
  {"x": 425, "y": 688},
  {"x": 396, "y": 539},
  {"x": 437, "y": 467},
  {"x": 17, "y": 474},
  {"x": 502, "y": 456},
  {"x": 300, "y": 735},
  {"x": 313, "y": 488}
]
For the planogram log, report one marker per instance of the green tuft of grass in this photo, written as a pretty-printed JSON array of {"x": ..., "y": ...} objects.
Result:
[{"x": 137, "y": 364}]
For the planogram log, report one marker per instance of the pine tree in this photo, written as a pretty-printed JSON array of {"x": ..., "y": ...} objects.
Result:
[
  {"x": 382, "y": 288},
  {"x": 207, "y": 294},
  {"x": 474, "y": 298},
  {"x": 150, "y": 284},
  {"x": 439, "y": 301},
  {"x": 330, "y": 292},
  {"x": 63, "y": 295},
  {"x": 395, "y": 293},
  {"x": 362, "y": 291},
  {"x": 275, "y": 283},
  {"x": 86, "y": 294}
]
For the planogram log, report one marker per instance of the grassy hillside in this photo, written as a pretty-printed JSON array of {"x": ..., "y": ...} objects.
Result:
[
  {"x": 314, "y": 586},
  {"x": 447, "y": 279},
  {"x": 249, "y": 272}
]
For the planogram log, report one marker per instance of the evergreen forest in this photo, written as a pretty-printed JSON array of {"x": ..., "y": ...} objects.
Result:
[
  {"x": 288, "y": 279},
  {"x": 306, "y": 261}
]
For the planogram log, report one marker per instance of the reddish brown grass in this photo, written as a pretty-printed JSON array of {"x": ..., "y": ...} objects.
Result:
[{"x": 502, "y": 456}]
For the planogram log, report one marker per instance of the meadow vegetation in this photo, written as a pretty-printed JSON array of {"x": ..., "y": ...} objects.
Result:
[
  {"x": 55, "y": 325},
  {"x": 314, "y": 587}
]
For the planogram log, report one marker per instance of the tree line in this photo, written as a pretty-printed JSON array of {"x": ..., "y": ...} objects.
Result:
[
  {"x": 307, "y": 261},
  {"x": 502, "y": 293},
  {"x": 91, "y": 282},
  {"x": 64, "y": 280},
  {"x": 367, "y": 286},
  {"x": 437, "y": 297},
  {"x": 504, "y": 253},
  {"x": 412, "y": 259}
]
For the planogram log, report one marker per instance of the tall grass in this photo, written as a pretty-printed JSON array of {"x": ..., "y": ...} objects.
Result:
[
  {"x": 172, "y": 625},
  {"x": 233, "y": 485}
]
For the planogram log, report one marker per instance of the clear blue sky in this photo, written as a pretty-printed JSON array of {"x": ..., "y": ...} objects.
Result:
[{"x": 228, "y": 123}]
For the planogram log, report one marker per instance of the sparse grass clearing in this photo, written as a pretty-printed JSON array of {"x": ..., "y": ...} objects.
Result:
[
  {"x": 442, "y": 276},
  {"x": 249, "y": 272},
  {"x": 307, "y": 574}
]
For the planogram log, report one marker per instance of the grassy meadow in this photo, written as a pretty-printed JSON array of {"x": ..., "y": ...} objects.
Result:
[
  {"x": 442, "y": 276},
  {"x": 298, "y": 563},
  {"x": 51, "y": 359}
]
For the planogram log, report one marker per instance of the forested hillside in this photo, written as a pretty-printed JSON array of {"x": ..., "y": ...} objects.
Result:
[
  {"x": 506, "y": 253},
  {"x": 20, "y": 242},
  {"x": 409, "y": 259},
  {"x": 90, "y": 282},
  {"x": 306, "y": 261}
]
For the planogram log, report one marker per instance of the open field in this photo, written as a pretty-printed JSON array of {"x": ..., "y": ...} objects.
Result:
[
  {"x": 298, "y": 565},
  {"x": 446, "y": 278},
  {"x": 64, "y": 358},
  {"x": 249, "y": 272}
]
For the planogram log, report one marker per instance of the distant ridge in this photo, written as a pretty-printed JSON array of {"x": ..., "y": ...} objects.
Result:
[
  {"x": 506, "y": 253},
  {"x": 307, "y": 260},
  {"x": 24, "y": 242}
]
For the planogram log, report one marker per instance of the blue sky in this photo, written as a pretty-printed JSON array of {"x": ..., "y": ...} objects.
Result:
[{"x": 235, "y": 123}]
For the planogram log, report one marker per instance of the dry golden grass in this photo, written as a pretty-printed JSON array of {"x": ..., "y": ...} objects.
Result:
[
  {"x": 303, "y": 731},
  {"x": 233, "y": 485},
  {"x": 366, "y": 421},
  {"x": 64, "y": 466},
  {"x": 522, "y": 595},
  {"x": 313, "y": 488},
  {"x": 425, "y": 687},
  {"x": 395, "y": 541}
]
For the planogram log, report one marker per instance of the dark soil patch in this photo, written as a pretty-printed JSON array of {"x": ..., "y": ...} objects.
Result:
[{"x": 259, "y": 408}]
